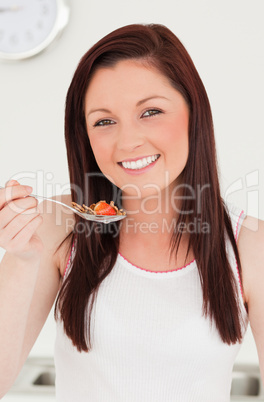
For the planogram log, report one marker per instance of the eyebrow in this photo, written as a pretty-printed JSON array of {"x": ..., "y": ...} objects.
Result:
[{"x": 139, "y": 103}]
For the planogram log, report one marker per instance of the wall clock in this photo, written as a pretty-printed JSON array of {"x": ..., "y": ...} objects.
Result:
[{"x": 28, "y": 26}]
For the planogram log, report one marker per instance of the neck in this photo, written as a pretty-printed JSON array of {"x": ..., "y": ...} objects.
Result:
[
  {"x": 146, "y": 232},
  {"x": 151, "y": 219}
]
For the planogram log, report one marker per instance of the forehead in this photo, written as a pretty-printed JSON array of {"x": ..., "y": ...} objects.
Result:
[{"x": 127, "y": 77}]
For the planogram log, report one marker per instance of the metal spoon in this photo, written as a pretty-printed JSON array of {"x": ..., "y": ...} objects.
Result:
[{"x": 84, "y": 215}]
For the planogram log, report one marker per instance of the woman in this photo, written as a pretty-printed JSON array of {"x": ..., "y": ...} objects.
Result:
[{"x": 155, "y": 307}]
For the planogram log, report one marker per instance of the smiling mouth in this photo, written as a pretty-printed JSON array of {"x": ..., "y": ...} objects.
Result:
[{"x": 139, "y": 163}]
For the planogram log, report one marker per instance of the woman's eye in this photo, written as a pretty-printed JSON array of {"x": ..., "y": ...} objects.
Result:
[
  {"x": 151, "y": 112},
  {"x": 105, "y": 122}
]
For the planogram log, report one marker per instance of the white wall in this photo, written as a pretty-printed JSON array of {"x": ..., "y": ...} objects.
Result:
[{"x": 226, "y": 41}]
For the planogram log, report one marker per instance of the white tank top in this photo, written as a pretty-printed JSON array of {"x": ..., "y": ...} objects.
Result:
[{"x": 150, "y": 341}]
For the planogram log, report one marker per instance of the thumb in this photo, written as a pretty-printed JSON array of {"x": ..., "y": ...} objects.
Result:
[{"x": 11, "y": 183}]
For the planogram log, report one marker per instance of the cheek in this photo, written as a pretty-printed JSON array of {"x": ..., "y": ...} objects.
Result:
[
  {"x": 178, "y": 143},
  {"x": 176, "y": 134},
  {"x": 102, "y": 152}
]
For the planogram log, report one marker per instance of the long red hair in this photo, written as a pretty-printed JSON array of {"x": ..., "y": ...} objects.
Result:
[{"x": 96, "y": 253}]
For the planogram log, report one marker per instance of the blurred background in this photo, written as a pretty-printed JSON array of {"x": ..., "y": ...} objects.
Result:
[{"x": 225, "y": 40}]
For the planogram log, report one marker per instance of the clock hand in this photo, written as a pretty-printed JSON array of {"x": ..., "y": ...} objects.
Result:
[{"x": 12, "y": 8}]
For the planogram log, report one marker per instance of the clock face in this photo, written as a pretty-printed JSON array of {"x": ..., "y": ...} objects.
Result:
[{"x": 27, "y": 26}]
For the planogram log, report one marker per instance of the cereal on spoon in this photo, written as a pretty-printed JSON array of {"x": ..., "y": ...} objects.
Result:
[{"x": 100, "y": 208}]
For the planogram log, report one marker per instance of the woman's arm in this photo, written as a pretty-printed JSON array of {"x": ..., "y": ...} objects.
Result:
[
  {"x": 27, "y": 292},
  {"x": 28, "y": 288},
  {"x": 251, "y": 249}
]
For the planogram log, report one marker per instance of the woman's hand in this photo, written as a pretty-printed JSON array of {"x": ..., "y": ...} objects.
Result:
[{"x": 19, "y": 220}]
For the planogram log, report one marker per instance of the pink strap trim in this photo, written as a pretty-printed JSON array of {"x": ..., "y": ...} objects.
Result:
[
  {"x": 236, "y": 236},
  {"x": 69, "y": 260},
  {"x": 236, "y": 232},
  {"x": 157, "y": 272}
]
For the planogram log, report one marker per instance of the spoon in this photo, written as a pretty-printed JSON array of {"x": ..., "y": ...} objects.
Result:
[{"x": 84, "y": 215}]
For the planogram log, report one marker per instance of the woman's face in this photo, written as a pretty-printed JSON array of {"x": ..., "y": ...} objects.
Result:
[{"x": 137, "y": 124}]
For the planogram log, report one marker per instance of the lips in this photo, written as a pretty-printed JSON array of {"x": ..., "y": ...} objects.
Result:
[{"x": 139, "y": 163}]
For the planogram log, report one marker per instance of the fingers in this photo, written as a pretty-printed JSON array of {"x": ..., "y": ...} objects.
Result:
[
  {"x": 23, "y": 206},
  {"x": 19, "y": 217},
  {"x": 11, "y": 183},
  {"x": 22, "y": 212},
  {"x": 14, "y": 200},
  {"x": 21, "y": 240},
  {"x": 13, "y": 191}
]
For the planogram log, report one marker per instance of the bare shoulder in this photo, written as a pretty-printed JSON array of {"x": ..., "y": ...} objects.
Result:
[
  {"x": 58, "y": 223},
  {"x": 251, "y": 250}
]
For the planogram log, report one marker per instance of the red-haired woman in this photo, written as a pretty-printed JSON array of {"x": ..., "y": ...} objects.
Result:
[{"x": 154, "y": 307}]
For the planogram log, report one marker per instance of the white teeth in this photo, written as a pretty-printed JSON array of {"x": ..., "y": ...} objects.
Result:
[{"x": 140, "y": 163}]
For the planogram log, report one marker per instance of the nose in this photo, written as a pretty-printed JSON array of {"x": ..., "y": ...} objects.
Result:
[{"x": 129, "y": 138}]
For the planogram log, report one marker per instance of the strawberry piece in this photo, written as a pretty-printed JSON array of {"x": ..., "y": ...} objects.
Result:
[{"x": 102, "y": 208}]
